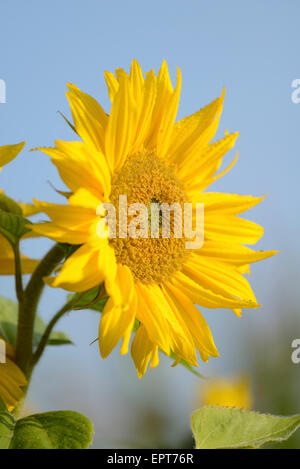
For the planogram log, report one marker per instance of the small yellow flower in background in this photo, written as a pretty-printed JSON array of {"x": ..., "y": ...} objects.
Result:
[
  {"x": 226, "y": 392},
  {"x": 11, "y": 379},
  {"x": 7, "y": 260},
  {"x": 139, "y": 151}
]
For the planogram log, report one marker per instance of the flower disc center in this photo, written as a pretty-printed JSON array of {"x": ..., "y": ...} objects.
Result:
[{"x": 146, "y": 179}]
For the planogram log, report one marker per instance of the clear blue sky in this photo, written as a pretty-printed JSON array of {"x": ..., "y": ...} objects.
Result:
[{"x": 250, "y": 47}]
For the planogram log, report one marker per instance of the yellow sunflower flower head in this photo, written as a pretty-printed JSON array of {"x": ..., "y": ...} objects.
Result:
[
  {"x": 228, "y": 392},
  {"x": 11, "y": 377},
  {"x": 139, "y": 152}
]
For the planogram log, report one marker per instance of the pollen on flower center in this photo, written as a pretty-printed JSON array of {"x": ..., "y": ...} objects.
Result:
[{"x": 145, "y": 178}]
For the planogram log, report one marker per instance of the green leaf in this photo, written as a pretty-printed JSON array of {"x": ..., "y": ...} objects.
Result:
[
  {"x": 3, "y": 407},
  {"x": 8, "y": 326},
  {"x": 89, "y": 300},
  {"x": 51, "y": 430},
  {"x": 12, "y": 223},
  {"x": 7, "y": 423},
  {"x": 8, "y": 320},
  {"x": 9, "y": 205},
  {"x": 217, "y": 427}
]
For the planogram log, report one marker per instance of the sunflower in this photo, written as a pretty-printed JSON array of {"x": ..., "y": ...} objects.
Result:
[
  {"x": 11, "y": 377},
  {"x": 228, "y": 392},
  {"x": 139, "y": 151},
  {"x": 7, "y": 259}
]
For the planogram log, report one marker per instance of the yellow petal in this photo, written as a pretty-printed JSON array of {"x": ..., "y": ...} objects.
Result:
[
  {"x": 163, "y": 95},
  {"x": 80, "y": 166},
  {"x": 29, "y": 209},
  {"x": 119, "y": 313},
  {"x": 231, "y": 229},
  {"x": 80, "y": 272},
  {"x": 89, "y": 118},
  {"x": 11, "y": 382},
  {"x": 70, "y": 217},
  {"x": 137, "y": 80},
  {"x": 205, "y": 297},
  {"x": 7, "y": 260},
  {"x": 123, "y": 289},
  {"x": 146, "y": 102},
  {"x": 59, "y": 234},
  {"x": 154, "y": 358},
  {"x": 121, "y": 126},
  {"x": 199, "y": 175},
  {"x": 142, "y": 350},
  {"x": 181, "y": 341},
  {"x": 9, "y": 152},
  {"x": 7, "y": 265},
  {"x": 193, "y": 133},
  {"x": 219, "y": 278},
  {"x": 227, "y": 204},
  {"x": 149, "y": 314},
  {"x": 233, "y": 254},
  {"x": 195, "y": 322},
  {"x": 168, "y": 120},
  {"x": 226, "y": 170},
  {"x": 112, "y": 84},
  {"x": 84, "y": 198}
]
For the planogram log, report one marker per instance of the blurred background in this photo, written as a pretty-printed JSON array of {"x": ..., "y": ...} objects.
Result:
[{"x": 252, "y": 49}]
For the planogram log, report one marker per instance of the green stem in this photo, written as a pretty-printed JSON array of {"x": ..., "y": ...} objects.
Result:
[
  {"x": 18, "y": 273},
  {"x": 44, "y": 340},
  {"x": 28, "y": 306}
]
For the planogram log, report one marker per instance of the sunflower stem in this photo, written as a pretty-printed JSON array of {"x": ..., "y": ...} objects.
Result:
[
  {"x": 28, "y": 303},
  {"x": 18, "y": 273},
  {"x": 44, "y": 340}
]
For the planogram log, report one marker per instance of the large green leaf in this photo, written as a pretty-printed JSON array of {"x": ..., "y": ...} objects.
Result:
[
  {"x": 12, "y": 223},
  {"x": 8, "y": 326},
  {"x": 3, "y": 407},
  {"x": 7, "y": 424},
  {"x": 51, "y": 430},
  {"x": 217, "y": 427}
]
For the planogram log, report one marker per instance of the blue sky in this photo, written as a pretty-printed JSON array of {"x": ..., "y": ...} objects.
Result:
[{"x": 252, "y": 48}]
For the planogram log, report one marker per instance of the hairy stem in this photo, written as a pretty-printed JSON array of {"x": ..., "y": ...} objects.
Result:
[
  {"x": 28, "y": 306},
  {"x": 44, "y": 340},
  {"x": 18, "y": 274}
]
